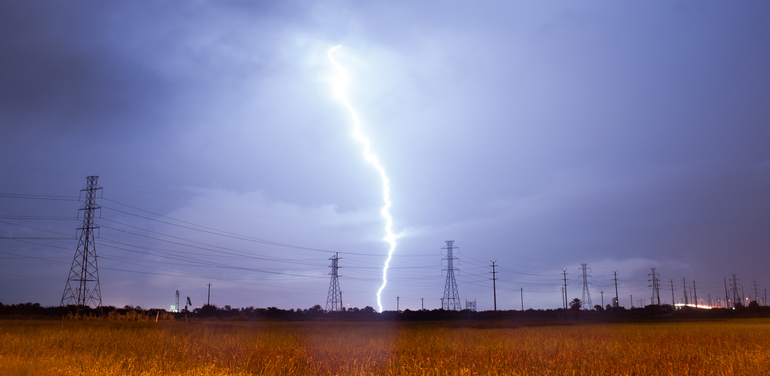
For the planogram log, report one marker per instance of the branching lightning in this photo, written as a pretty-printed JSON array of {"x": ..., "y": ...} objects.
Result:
[{"x": 340, "y": 84}]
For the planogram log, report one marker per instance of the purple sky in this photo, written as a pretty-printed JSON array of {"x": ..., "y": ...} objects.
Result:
[{"x": 542, "y": 135}]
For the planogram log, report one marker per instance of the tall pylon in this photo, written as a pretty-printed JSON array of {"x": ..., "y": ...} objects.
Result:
[
  {"x": 82, "y": 288},
  {"x": 736, "y": 295},
  {"x": 586, "y": 301},
  {"x": 334, "y": 297},
  {"x": 451, "y": 299},
  {"x": 655, "y": 284}
]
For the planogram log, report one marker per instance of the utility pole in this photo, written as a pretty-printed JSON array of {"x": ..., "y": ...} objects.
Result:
[
  {"x": 334, "y": 296},
  {"x": 422, "y": 304},
  {"x": 208, "y": 300},
  {"x": 398, "y": 304},
  {"x": 522, "y": 299},
  {"x": 451, "y": 300},
  {"x": 727, "y": 298},
  {"x": 602, "y": 292},
  {"x": 743, "y": 296},
  {"x": 673, "y": 299},
  {"x": 695, "y": 293},
  {"x": 82, "y": 287},
  {"x": 632, "y": 301},
  {"x": 617, "y": 302},
  {"x": 564, "y": 271},
  {"x": 684, "y": 283},
  {"x": 494, "y": 288}
]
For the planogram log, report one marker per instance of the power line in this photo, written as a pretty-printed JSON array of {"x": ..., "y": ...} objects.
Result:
[{"x": 38, "y": 197}]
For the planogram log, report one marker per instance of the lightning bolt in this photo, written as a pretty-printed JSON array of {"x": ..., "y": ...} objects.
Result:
[{"x": 390, "y": 237}]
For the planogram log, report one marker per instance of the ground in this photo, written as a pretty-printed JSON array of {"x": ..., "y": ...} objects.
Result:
[{"x": 110, "y": 347}]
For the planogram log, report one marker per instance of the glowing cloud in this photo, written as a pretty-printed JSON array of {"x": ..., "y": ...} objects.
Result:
[{"x": 340, "y": 84}]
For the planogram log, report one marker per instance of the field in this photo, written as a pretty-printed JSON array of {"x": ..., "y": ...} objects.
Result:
[{"x": 60, "y": 347}]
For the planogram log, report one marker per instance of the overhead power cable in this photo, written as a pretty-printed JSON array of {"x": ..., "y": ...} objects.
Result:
[{"x": 38, "y": 197}]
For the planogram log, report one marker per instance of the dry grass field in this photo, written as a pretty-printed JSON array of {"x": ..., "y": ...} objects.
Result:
[{"x": 61, "y": 347}]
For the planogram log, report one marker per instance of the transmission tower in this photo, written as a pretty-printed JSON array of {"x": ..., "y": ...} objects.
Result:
[
  {"x": 82, "y": 288},
  {"x": 451, "y": 299},
  {"x": 756, "y": 293},
  {"x": 586, "y": 301},
  {"x": 655, "y": 284},
  {"x": 334, "y": 297},
  {"x": 736, "y": 294}
]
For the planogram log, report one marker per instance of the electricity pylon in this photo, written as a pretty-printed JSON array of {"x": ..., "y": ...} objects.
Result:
[
  {"x": 451, "y": 299},
  {"x": 655, "y": 299},
  {"x": 334, "y": 297},
  {"x": 586, "y": 301},
  {"x": 82, "y": 288}
]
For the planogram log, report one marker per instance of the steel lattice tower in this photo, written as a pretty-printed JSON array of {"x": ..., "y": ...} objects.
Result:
[
  {"x": 586, "y": 301},
  {"x": 451, "y": 299},
  {"x": 736, "y": 294},
  {"x": 655, "y": 288},
  {"x": 334, "y": 297},
  {"x": 82, "y": 288}
]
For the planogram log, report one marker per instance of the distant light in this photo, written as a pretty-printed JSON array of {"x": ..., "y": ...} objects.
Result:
[{"x": 680, "y": 305}]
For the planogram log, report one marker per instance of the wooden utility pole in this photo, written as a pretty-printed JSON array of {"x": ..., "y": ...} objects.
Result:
[
  {"x": 727, "y": 297},
  {"x": 673, "y": 299},
  {"x": 565, "y": 289},
  {"x": 494, "y": 287},
  {"x": 615, "y": 272},
  {"x": 684, "y": 283},
  {"x": 695, "y": 293}
]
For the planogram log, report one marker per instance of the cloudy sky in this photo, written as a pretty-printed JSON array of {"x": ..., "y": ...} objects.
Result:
[{"x": 542, "y": 135}]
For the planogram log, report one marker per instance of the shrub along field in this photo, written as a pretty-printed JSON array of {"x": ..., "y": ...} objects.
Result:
[{"x": 109, "y": 347}]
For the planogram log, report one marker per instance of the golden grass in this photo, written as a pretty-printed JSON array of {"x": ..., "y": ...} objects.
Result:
[{"x": 321, "y": 348}]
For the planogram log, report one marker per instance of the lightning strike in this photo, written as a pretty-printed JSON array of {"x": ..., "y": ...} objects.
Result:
[{"x": 390, "y": 237}]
